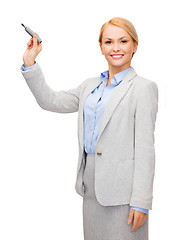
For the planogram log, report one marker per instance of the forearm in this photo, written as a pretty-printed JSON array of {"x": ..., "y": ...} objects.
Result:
[{"x": 48, "y": 99}]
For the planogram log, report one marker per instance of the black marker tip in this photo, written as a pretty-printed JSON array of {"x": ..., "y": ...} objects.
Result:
[{"x": 22, "y": 24}]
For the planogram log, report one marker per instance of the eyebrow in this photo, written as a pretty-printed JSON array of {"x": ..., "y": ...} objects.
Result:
[{"x": 118, "y": 38}]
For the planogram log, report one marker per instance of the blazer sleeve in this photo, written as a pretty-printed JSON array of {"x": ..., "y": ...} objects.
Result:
[
  {"x": 144, "y": 171},
  {"x": 48, "y": 99}
]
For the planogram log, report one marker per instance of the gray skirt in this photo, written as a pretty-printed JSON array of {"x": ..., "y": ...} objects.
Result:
[{"x": 106, "y": 222}]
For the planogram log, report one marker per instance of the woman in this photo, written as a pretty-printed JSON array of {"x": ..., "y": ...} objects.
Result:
[{"x": 116, "y": 122}]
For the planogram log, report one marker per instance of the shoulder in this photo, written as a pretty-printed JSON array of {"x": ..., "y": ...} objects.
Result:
[
  {"x": 90, "y": 81},
  {"x": 143, "y": 84}
]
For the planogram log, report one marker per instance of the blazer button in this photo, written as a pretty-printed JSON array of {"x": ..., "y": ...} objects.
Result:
[{"x": 99, "y": 153}]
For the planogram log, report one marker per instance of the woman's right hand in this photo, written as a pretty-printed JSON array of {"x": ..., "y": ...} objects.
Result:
[{"x": 33, "y": 49}]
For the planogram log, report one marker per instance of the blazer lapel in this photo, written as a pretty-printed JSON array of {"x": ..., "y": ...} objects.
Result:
[{"x": 118, "y": 93}]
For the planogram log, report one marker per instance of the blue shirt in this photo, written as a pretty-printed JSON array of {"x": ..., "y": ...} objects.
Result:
[
  {"x": 93, "y": 109},
  {"x": 28, "y": 68}
]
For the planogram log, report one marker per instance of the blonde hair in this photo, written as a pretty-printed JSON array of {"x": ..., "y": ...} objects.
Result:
[{"x": 123, "y": 23}]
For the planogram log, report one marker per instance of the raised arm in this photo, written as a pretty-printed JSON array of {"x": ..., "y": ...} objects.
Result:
[{"x": 48, "y": 99}]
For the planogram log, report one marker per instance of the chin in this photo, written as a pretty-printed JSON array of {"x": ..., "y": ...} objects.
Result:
[{"x": 117, "y": 64}]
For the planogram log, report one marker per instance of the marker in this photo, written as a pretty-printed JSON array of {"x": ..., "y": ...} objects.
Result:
[{"x": 32, "y": 33}]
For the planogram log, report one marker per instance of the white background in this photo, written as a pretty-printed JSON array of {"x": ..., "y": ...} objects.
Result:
[{"x": 37, "y": 175}]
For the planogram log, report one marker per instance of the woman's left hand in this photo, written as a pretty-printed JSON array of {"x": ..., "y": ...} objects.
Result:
[{"x": 139, "y": 219}]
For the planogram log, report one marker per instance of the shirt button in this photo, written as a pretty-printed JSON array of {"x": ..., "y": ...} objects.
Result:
[{"x": 99, "y": 153}]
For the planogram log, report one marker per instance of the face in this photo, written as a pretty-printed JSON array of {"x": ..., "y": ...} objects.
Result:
[{"x": 117, "y": 47}]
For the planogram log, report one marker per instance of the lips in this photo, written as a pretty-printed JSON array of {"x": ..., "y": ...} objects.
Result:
[{"x": 117, "y": 56}]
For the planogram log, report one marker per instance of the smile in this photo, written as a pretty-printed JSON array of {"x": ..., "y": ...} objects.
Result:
[{"x": 117, "y": 56}]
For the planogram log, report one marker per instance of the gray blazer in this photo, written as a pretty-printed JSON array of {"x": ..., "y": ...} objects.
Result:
[{"x": 125, "y": 153}]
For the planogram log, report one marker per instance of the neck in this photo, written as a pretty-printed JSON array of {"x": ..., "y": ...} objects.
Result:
[{"x": 114, "y": 70}]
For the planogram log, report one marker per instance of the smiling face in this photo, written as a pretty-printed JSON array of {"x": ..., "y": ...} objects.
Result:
[{"x": 117, "y": 47}]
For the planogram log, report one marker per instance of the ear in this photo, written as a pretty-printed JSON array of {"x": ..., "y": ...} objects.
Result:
[
  {"x": 135, "y": 47},
  {"x": 101, "y": 48}
]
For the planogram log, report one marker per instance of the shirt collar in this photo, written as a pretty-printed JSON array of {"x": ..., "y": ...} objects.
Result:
[{"x": 117, "y": 78}]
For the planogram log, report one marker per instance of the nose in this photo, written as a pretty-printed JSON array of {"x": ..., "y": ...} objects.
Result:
[{"x": 116, "y": 47}]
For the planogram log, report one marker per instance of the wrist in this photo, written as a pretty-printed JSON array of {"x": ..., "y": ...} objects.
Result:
[{"x": 29, "y": 63}]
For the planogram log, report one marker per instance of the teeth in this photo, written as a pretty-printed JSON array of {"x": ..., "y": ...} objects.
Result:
[{"x": 116, "y": 56}]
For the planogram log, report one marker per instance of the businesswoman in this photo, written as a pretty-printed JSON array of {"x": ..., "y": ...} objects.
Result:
[{"x": 116, "y": 122}]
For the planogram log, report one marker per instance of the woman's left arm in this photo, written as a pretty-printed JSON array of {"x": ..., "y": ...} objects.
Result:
[{"x": 145, "y": 118}]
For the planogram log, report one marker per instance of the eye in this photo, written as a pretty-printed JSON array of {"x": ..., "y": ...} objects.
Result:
[{"x": 108, "y": 42}]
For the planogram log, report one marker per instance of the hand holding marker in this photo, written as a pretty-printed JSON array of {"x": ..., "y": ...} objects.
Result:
[
  {"x": 34, "y": 47},
  {"x": 30, "y": 32}
]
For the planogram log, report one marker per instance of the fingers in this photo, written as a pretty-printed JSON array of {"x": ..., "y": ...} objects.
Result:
[
  {"x": 34, "y": 47},
  {"x": 139, "y": 219},
  {"x": 34, "y": 41},
  {"x": 131, "y": 213},
  {"x": 135, "y": 224},
  {"x": 30, "y": 42},
  {"x": 37, "y": 34}
]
